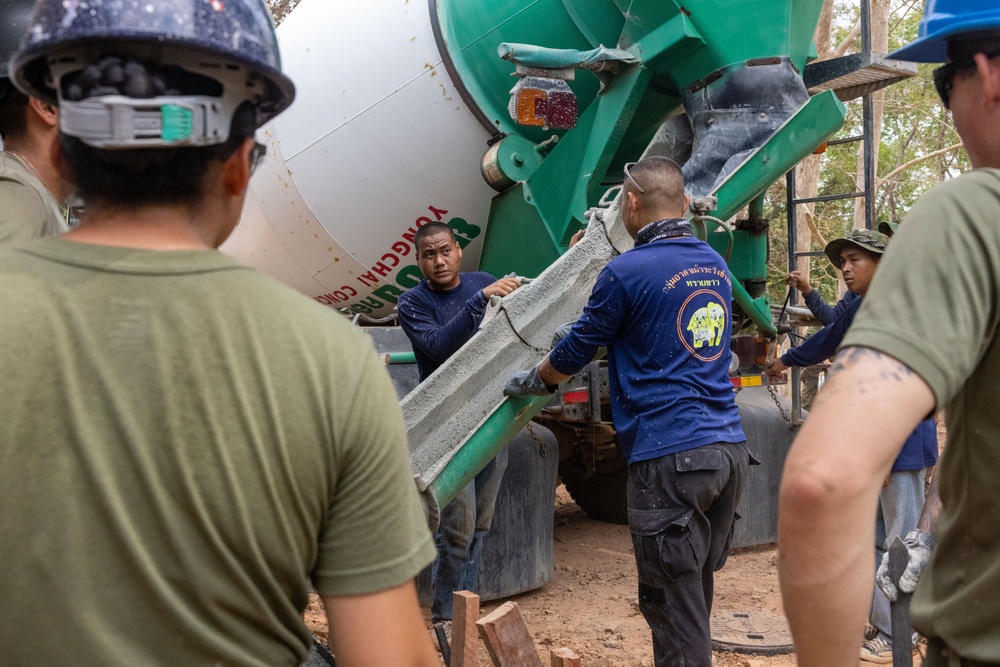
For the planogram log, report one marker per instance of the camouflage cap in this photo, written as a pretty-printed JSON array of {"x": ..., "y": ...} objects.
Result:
[
  {"x": 865, "y": 239},
  {"x": 888, "y": 228}
]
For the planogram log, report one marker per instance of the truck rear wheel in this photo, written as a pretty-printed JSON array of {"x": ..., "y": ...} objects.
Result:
[{"x": 602, "y": 493}]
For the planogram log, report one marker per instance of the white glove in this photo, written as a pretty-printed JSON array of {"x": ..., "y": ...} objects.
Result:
[{"x": 919, "y": 546}]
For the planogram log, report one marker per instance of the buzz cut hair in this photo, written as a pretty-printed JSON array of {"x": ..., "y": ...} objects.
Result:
[
  {"x": 430, "y": 229},
  {"x": 662, "y": 180}
]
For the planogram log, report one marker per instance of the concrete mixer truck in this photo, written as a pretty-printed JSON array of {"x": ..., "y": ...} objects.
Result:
[{"x": 510, "y": 121}]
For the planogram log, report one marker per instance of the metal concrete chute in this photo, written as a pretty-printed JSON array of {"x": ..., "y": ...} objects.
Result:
[{"x": 464, "y": 397}]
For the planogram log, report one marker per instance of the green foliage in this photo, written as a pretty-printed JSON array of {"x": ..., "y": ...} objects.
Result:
[{"x": 914, "y": 125}]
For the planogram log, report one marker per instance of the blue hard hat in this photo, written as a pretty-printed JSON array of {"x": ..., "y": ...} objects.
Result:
[
  {"x": 948, "y": 19},
  {"x": 233, "y": 35}
]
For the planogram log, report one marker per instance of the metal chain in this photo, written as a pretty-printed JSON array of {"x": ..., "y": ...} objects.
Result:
[
  {"x": 781, "y": 409},
  {"x": 541, "y": 445}
]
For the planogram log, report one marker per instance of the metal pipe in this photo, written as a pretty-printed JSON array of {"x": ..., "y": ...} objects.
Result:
[
  {"x": 868, "y": 121},
  {"x": 869, "y": 161},
  {"x": 391, "y": 358},
  {"x": 759, "y": 312},
  {"x": 845, "y": 140},
  {"x": 846, "y": 195},
  {"x": 718, "y": 223},
  {"x": 866, "y": 26},
  {"x": 756, "y": 208},
  {"x": 796, "y": 396},
  {"x": 793, "y": 231}
]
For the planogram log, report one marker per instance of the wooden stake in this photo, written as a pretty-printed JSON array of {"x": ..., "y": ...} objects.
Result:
[
  {"x": 464, "y": 639},
  {"x": 564, "y": 657},
  {"x": 507, "y": 638}
]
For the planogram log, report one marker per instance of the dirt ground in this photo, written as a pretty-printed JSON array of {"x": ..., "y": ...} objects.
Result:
[{"x": 590, "y": 607}]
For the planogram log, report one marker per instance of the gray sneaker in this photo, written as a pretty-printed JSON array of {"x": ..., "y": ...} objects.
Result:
[{"x": 876, "y": 650}]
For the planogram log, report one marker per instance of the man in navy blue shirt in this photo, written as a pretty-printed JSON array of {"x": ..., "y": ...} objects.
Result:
[
  {"x": 825, "y": 313},
  {"x": 857, "y": 256},
  {"x": 663, "y": 311},
  {"x": 438, "y": 316}
]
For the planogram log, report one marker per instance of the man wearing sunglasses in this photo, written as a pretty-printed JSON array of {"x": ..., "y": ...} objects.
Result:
[
  {"x": 663, "y": 311},
  {"x": 925, "y": 338}
]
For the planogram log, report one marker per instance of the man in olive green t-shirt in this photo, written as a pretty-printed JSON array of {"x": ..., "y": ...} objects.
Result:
[
  {"x": 32, "y": 190},
  {"x": 926, "y": 338},
  {"x": 183, "y": 442}
]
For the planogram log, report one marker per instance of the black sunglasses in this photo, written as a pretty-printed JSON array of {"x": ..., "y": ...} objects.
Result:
[{"x": 944, "y": 76}]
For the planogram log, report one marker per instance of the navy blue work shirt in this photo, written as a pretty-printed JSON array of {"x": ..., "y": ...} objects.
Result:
[
  {"x": 921, "y": 448},
  {"x": 663, "y": 311},
  {"x": 439, "y": 323}
]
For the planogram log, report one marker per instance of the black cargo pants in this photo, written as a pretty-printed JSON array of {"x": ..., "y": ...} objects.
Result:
[{"x": 681, "y": 511}]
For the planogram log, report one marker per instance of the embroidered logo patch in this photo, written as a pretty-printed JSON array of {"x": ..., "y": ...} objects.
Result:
[{"x": 702, "y": 323}]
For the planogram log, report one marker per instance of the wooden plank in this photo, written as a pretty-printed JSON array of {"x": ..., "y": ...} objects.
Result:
[
  {"x": 507, "y": 638},
  {"x": 565, "y": 657},
  {"x": 464, "y": 637}
]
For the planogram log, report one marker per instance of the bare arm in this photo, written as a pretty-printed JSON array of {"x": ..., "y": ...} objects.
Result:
[
  {"x": 383, "y": 628},
  {"x": 549, "y": 374},
  {"x": 829, "y": 492}
]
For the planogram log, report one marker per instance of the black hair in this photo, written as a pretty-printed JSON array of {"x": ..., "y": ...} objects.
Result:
[
  {"x": 143, "y": 176},
  {"x": 966, "y": 46},
  {"x": 13, "y": 111},
  {"x": 662, "y": 180},
  {"x": 430, "y": 229}
]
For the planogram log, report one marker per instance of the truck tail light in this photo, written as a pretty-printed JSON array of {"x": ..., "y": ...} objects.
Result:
[{"x": 541, "y": 102}]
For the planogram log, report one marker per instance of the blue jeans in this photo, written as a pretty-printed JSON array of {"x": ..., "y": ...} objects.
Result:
[
  {"x": 899, "y": 506},
  {"x": 464, "y": 522}
]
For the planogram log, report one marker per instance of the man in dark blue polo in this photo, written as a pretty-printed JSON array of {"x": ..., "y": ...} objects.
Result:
[
  {"x": 438, "y": 316},
  {"x": 663, "y": 311}
]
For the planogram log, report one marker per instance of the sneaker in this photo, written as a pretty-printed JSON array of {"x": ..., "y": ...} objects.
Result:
[
  {"x": 876, "y": 650},
  {"x": 871, "y": 632}
]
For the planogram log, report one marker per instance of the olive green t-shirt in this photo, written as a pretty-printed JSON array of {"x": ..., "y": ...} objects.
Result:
[
  {"x": 182, "y": 442},
  {"x": 935, "y": 306},
  {"x": 27, "y": 209}
]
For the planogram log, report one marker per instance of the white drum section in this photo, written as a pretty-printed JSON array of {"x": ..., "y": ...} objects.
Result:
[{"x": 377, "y": 142}]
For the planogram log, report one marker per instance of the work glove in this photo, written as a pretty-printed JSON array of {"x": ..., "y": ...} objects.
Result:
[
  {"x": 919, "y": 546},
  {"x": 527, "y": 383},
  {"x": 561, "y": 332}
]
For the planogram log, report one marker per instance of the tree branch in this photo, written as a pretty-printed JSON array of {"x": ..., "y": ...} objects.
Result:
[
  {"x": 848, "y": 41},
  {"x": 814, "y": 230},
  {"x": 918, "y": 160}
]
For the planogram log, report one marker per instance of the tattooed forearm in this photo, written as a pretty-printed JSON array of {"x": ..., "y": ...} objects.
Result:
[
  {"x": 869, "y": 371},
  {"x": 891, "y": 369}
]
